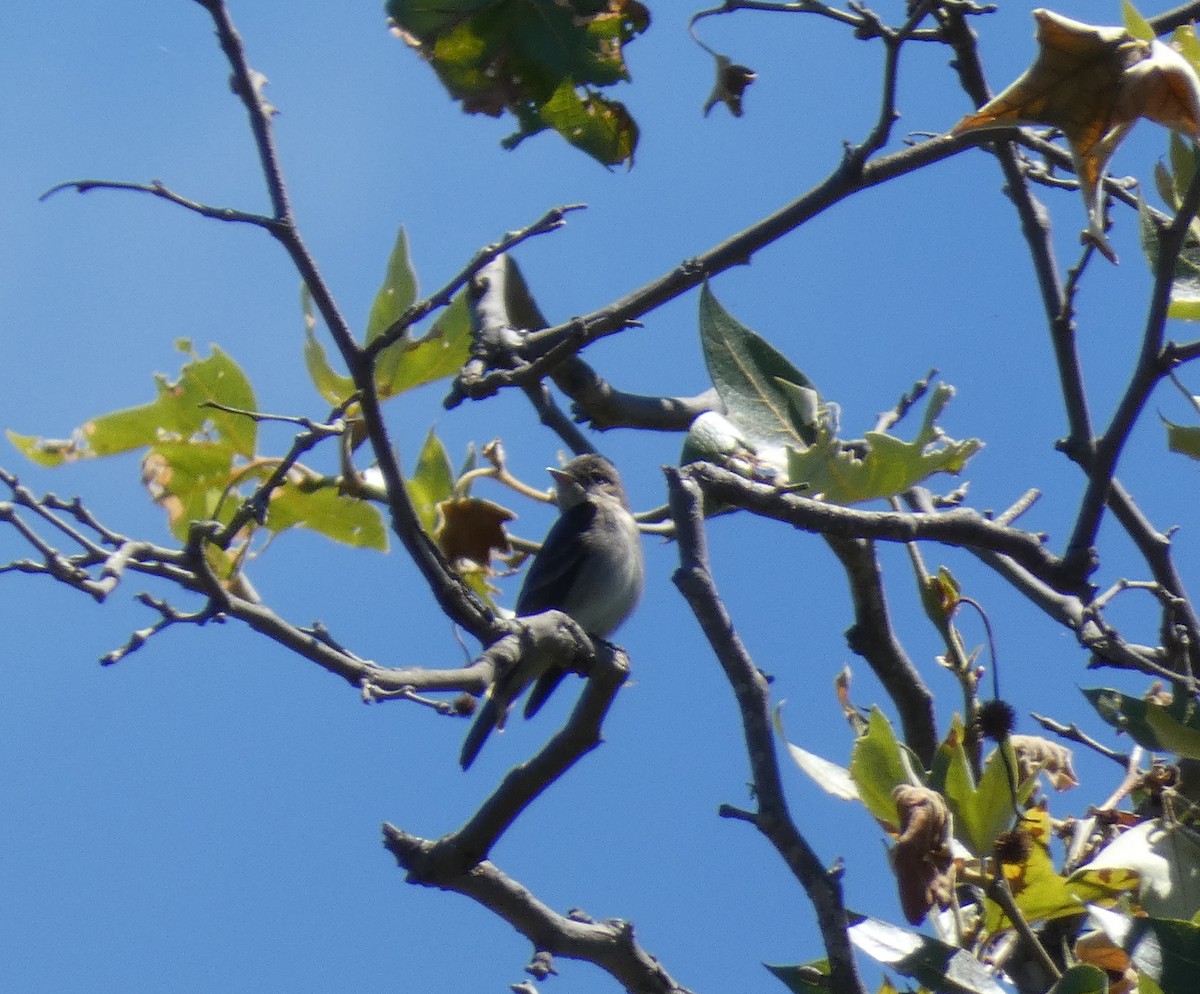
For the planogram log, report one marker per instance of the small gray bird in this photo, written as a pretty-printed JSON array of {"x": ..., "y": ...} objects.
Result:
[{"x": 590, "y": 567}]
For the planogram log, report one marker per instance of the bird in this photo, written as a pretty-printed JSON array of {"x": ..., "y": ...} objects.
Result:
[{"x": 590, "y": 567}]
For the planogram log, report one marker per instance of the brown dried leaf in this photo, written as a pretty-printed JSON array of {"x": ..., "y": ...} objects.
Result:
[
  {"x": 732, "y": 80},
  {"x": 1037, "y": 754},
  {"x": 1093, "y": 83},
  {"x": 472, "y": 528},
  {"x": 921, "y": 857}
]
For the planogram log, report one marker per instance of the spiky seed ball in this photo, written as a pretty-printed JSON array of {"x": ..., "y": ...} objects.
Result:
[{"x": 997, "y": 719}]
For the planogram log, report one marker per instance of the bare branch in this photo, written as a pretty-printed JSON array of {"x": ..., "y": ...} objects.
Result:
[
  {"x": 957, "y": 527},
  {"x": 597, "y": 402},
  {"x": 872, "y": 637},
  {"x": 773, "y": 818},
  {"x": 157, "y": 189},
  {"x": 610, "y": 945}
]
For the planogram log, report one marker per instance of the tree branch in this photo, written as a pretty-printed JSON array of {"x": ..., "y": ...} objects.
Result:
[
  {"x": 610, "y": 945},
  {"x": 773, "y": 819}
]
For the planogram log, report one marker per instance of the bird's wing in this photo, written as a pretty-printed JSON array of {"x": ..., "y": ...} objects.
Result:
[
  {"x": 550, "y": 576},
  {"x": 479, "y": 731},
  {"x": 549, "y": 581},
  {"x": 543, "y": 687},
  {"x": 555, "y": 569}
]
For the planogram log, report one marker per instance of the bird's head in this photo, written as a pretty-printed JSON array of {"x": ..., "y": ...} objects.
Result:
[{"x": 588, "y": 476}]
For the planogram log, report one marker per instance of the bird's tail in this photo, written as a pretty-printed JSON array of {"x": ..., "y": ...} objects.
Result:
[
  {"x": 542, "y": 689},
  {"x": 490, "y": 716}
]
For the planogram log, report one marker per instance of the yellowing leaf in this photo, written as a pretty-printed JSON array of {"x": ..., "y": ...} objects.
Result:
[
  {"x": 1040, "y": 893},
  {"x": 176, "y": 414}
]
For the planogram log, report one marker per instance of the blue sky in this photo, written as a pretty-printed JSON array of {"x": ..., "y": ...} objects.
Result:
[{"x": 205, "y": 815}]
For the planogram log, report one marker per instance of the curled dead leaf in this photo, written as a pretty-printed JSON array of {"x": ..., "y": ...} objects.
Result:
[
  {"x": 732, "y": 80},
  {"x": 921, "y": 856},
  {"x": 1093, "y": 83},
  {"x": 1039, "y": 755}
]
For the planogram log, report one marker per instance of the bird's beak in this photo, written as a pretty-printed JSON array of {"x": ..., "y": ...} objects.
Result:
[{"x": 570, "y": 490}]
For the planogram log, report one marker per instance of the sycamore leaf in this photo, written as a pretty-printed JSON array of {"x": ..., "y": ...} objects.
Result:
[
  {"x": 1184, "y": 439},
  {"x": 879, "y": 465},
  {"x": 190, "y": 481},
  {"x": 1164, "y": 951},
  {"x": 396, "y": 293},
  {"x": 878, "y": 765},
  {"x": 330, "y": 384},
  {"x": 809, "y": 978},
  {"x": 1038, "y": 889},
  {"x": 176, "y": 414},
  {"x": 1166, "y": 862},
  {"x": 830, "y": 777},
  {"x": 1082, "y": 978},
  {"x": 921, "y": 857},
  {"x": 937, "y": 966},
  {"x": 1135, "y": 24},
  {"x": 1185, "y": 284},
  {"x": 1093, "y": 83},
  {"x": 540, "y": 60},
  {"x": 1159, "y": 727},
  {"x": 755, "y": 382},
  {"x": 432, "y": 481},
  {"x": 322, "y": 509},
  {"x": 440, "y": 352},
  {"x": 472, "y": 528},
  {"x": 594, "y": 124},
  {"x": 981, "y": 811}
]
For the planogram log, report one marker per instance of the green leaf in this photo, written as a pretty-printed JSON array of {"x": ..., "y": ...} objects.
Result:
[
  {"x": 808, "y": 978},
  {"x": 322, "y": 509},
  {"x": 331, "y": 385},
  {"x": 44, "y": 451},
  {"x": 431, "y": 482},
  {"x": 1131, "y": 715},
  {"x": 594, "y": 124},
  {"x": 191, "y": 481},
  {"x": 1185, "y": 43},
  {"x": 879, "y": 765},
  {"x": 1164, "y": 183},
  {"x": 1082, "y": 978},
  {"x": 1178, "y": 737},
  {"x": 539, "y": 60},
  {"x": 937, "y": 966},
  {"x": 1184, "y": 439},
  {"x": 397, "y": 292},
  {"x": 880, "y": 465},
  {"x": 952, "y": 778},
  {"x": 219, "y": 379},
  {"x": 175, "y": 414},
  {"x": 1182, "y": 153},
  {"x": 830, "y": 777},
  {"x": 439, "y": 353},
  {"x": 748, "y": 372},
  {"x": 1135, "y": 24},
  {"x": 981, "y": 812},
  {"x": 1185, "y": 286}
]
